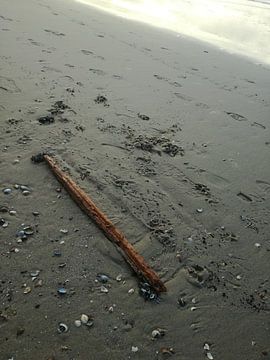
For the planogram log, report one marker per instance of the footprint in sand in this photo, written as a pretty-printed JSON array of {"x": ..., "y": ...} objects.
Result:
[
  {"x": 8, "y": 85},
  {"x": 264, "y": 185},
  {"x": 258, "y": 125},
  {"x": 236, "y": 116},
  {"x": 216, "y": 180},
  {"x": 87, "y": 52},
  {"x": 57, "y": 33},
  {"x": 97, "y": 71}
]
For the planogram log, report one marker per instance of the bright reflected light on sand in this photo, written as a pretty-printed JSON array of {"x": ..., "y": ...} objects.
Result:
[{"x": 239, "y": 26}]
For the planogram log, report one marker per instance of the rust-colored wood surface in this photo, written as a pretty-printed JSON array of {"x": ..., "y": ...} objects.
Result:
[{"x": 135, "y": 260}]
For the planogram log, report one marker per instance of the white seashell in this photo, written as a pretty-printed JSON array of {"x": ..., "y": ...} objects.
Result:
[
  {"x": 103, "y": 289},
  {"x": 156, "y": 334},
  {"x": 131, "y": 291},
  {"x": 134, "y": 349},
  {"x": 110, "y": 309},
  {"x": 77, "y": 323},
  {"x": 12, "y": 212},
  {"x": 63, "y": 231},
  {"x": 258, "y": 245},
  {"x": 119, "y": 277},
  {"x": 84, "y": 319},
  {"x": 209, "y": 356},
  {"x": 193, "y": 308},
  {"x": 206, "y": 346}
]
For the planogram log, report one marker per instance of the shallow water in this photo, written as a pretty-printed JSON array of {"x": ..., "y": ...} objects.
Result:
[{"x": 239, "y": 26}]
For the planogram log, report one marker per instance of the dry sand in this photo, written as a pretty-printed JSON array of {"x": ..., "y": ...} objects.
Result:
[{"x": 205, "y": 146}]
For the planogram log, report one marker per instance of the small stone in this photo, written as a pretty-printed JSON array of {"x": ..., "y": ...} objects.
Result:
[
  {"x": 77, "y": 323},
  {"x": 7, "y": 191},
  {"x": 134, "y": 349},
  {"x": 131, "y": 291},
  {"x": 84, "y": 318},
  {"x": 16, "y": 250},
  {"x": 27, "y": 290}
]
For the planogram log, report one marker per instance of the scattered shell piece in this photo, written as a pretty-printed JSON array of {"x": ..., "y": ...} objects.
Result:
[
  {"x": 103, "y": 278},
  {"x": 253, "y": 343},
  {"x": 131, "y": 291},
  {"x": 84, "y": 318},
  {"x": 62, "y": 242},
  {"x": 39, "y": 283},
  {"x": 35, "y": 213},
  {"x": 158, "y": 333},
  {"x": 119, "y": 277},
  {"x": 134, "y": 349},
  {"x": 77, "y": 323},
  {"x": 63, "y": 231},
  {"x": 206, "y": 346},
  {"x": 16, "y": 186},
  {"x": 193, "y": 308},
  {"x": 110, "y": 309},
  {"x": 62, "y": 328},
  {"x": 200, "y": 210},
  {"x": 7, "y": 191},
  {"x": 238, "y": 277},
  {"x": 28, "y": 230},
  {"x": 34, "y": 273},
  {"x": 12, "y": 212},
  {"x": 194, "y": 301},
  {"x": 257, "y": 245},
  {"x": 16, "y": 250},
  {"x": 57, "y": 253},
  {"x": 167, "y": 351},
  {"x": 26, "y": 192},
  {"x": 103, "y": 289},
  {"x": 209, "y": 356},
  {"x": 24, "y": 188},
  {"x": 5, "y": 225},
  {"x": 27, "y": 290},
  {"x": 62, "y": 291}
]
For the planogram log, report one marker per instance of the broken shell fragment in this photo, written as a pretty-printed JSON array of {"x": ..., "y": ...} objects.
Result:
[
  {"x": 103, "y": 278},
  {"x": 168, "y": 351},
  {"x": 206, "y": 346},
  {"x": 77, "y": 323},
  {"x": 134, "y": 349},
  {"x": 7, "y": 191},
  {"x": 62, "y": 291},
  {"x": 209, "y": 356},
  {"x": 62, "y": 328},
  {"x": 103, "y": 289},
  {"x": 158, "y": 333},
  {"x": 84, "y": 319},
  {"x": 28, "y": 230},
  {"x": 27, "y": 290}
]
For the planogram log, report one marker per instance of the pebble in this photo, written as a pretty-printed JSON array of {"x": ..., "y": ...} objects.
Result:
[
  {"x": 77, "y": 323},
  {"x": 131, "y": 291},
  {"x": 84, "y": 318},
  {"x": 7, "y": 191}
]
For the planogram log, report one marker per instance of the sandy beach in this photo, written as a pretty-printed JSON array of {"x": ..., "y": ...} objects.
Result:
[{"x": 170, "y": 137}]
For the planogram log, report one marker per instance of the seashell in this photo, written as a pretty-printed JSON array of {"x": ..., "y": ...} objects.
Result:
[
  {"x": 134, "y": 349},
  {"x": 102, "y": 278},
  {"x": 7, "y": 191},
  {"x": 34, "y": 273},
  {"x": 28, "y": 230},
  {"x": 206, "y": 346},
  {"x": 89, "y": 323},
  {"x": 119, "y": 278},
  {"x": 57, "y": 253},
  {"x": 209, "y": 356},
  {"x": 77, "y": 323},
  {"x": 35, "y": 213},
  {"x": 24, "y": 188},
  {"x": 110, "y": 309},
  {"x": 193, "y": 308},
  {"x": 26, "y": 192},
  {"x": 21, "y": 234},
  {"x": 63, "y": 231},
  {"x": 5, "y": 224},
  {"x": 103, "y": 289},
  {"x": 62, "y": 291},
  {"x": 158, "y": 333},
  {"x": 62, "y": 328},
  {"x": 131, "y": 291},
  {"x": 12, "y": 212},
  {"x": 200, "y": 210},
  {"x": 27, "y": 290},
  {"x": 16, "y": 186},
  {"x": 84, "y": 319}
]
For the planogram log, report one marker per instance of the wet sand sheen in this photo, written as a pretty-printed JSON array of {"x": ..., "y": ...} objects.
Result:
[{"x": 170, "y": 138}]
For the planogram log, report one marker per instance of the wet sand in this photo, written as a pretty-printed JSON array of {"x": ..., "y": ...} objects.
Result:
[{"x": 177, "y": 156}]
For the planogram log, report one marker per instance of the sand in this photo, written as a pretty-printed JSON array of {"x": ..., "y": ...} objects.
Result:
[{"x": 177, "y": 157}]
